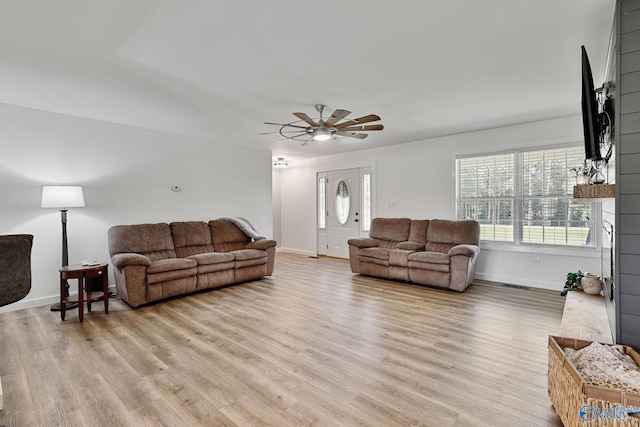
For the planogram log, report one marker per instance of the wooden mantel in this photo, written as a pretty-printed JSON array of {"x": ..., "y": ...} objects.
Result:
[
  {"x": 594, "y": 191},
  {"x": 585, "y": 317}
]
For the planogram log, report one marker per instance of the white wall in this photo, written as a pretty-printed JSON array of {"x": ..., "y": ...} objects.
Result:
[
  {"x": 126, "y": 174},
  {"x": 418, "y": 179}
]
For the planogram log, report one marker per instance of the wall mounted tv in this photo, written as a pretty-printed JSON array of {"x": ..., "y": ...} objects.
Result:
[{"x": 589, "y": 112}]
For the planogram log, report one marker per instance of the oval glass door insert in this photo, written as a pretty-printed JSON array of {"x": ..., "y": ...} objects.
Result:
[{"x": 342, "y": 202}]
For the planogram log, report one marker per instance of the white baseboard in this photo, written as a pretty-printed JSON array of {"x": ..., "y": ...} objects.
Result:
[
  {"x": 37, "y": 302},
  {"x": 296, "y": 251},
  {"x": 520, "y": 281}
]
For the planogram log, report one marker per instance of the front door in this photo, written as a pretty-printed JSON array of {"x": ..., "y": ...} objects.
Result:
[{"x": 343, "y": 205}]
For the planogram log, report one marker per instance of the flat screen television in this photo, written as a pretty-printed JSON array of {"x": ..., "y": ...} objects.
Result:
[{"x": 590, "y": 121}]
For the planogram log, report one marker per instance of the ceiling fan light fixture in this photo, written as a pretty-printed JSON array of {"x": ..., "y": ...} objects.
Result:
[
  {"x": 280, "y": 163},
  {"x": 321, "y": 134}
]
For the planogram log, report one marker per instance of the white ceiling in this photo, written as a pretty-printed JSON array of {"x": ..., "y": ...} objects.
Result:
[{"x": 219, "y": 69}]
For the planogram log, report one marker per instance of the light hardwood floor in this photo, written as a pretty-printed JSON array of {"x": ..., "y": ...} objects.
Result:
[{"x": 311, "y": 345}]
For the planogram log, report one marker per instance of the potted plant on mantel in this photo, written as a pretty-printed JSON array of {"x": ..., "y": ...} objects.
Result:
[
  {"x": 583, "y": 173},
  {"x": 589, "y": 283}
]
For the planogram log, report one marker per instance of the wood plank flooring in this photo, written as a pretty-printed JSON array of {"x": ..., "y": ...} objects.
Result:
[{"x": 311, "y": 345}]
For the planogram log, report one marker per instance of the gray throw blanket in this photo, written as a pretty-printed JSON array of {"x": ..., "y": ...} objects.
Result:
[{"x": 244, "y": 226}]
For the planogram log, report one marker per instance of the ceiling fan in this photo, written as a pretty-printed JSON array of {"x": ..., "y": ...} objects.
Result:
[{"x": 323, "y": 130}]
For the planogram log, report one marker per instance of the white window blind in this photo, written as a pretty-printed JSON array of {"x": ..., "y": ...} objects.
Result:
[
  {"x": 485, "y": 192},
  {"x": 549, "y": 213},
  {"x": 525, "y": 196}
]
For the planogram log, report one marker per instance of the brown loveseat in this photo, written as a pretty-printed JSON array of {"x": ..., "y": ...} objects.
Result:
[
  {"x": 157, "y": 261},
  {"x": 435, "y": 252}
]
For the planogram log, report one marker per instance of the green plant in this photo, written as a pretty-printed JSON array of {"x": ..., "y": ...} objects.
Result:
[{"x": 573, "y": 282}]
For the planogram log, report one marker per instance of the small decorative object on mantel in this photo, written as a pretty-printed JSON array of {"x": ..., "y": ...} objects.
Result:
[
  {"x": 591, "y": 284},
  {"x": 583, "y": 173},
  {"x": 597, "y": 176},
  {"x": 572, "y": 283}
]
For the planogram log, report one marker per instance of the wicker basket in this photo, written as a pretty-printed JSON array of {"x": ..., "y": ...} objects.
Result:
[{"x": 570, "y": 393}]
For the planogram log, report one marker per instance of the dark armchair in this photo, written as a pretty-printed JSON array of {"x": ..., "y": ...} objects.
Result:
[{"x": 15, "y": 267}]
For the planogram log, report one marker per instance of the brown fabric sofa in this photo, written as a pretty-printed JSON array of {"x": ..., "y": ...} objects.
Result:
[
  {"x": 435, "y": 252},
  {"x": 153, "y": 262}
]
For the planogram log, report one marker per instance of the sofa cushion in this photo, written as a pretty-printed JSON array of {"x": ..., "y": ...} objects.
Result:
[
  {"x": 377, "y": 253},
  {"x": 418, "y": 231},
  {"x": 444, "y": 234},
  {"x": 151, "y": 240},
  {"x": 246, "y": 254},
  {"x": 391, "y": 229},
  {"x": 434, "y": 261},
  {"x": 248, "y": 258},
  {"x": 379, "y": 256},
  {"x": 226, "y": 237},
  {"x": 212, "y": 268},
  {"x": 213, "y": 261},
  {"x": 191, "y": 237},
  {"x": 429, "y": 257},
  {"x": 171, "y": 269},
  {"x": 212, "y": 258},
  {"x": 171, "y": 264}
]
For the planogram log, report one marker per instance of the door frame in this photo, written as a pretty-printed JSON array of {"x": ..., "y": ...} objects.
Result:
[{"x": 322, "y": 233}]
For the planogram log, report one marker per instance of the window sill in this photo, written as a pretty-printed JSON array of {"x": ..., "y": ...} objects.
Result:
[{"x": 587, "y": 252}]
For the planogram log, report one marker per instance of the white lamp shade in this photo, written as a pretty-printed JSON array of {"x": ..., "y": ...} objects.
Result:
[{"x": 62, "y": 196}]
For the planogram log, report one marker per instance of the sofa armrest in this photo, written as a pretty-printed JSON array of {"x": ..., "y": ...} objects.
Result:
[
  {"x": 126, "y": 259},
  {"x": 410, "y": 246},
  {"x": 463, "y": 266},
  {"x": 261, "y": 244},
  {"x": 363, "y": 242},
  {"x": 466, "y": 250}
]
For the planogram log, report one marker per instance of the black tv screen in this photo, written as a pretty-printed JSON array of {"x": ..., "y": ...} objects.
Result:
[{"x": 589, "y": 112}]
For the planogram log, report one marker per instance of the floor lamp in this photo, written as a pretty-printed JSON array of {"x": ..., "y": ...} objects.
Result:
[{"x": 63, "y": 197}]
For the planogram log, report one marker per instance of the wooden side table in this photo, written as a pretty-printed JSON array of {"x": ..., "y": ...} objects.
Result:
[{"x": 85, "y": 293}]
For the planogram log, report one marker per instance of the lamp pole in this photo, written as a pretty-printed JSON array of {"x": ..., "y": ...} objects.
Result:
[
  {"x": 65, "y": 260},
  {"x": 65, "y": 250},
  {"x": 63, "y": 197}
]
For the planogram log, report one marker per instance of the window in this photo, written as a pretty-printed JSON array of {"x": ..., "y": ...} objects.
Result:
[
  {"x": 525, "y": 196},
  {"x": 343, "y": 202},
  {"x": 322, "y": 205},
  {"x": 485, "y": 192},
  {"x": 366, "y": 201}
]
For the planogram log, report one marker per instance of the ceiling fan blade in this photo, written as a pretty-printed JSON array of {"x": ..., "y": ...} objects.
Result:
[
  {"x": 364, "y": 119},
  {"x": 305, "y": 118},
  {"x": 359, "y": 128},
  {"x": 337, "y": 116},
  {"x": 352, "y": 134},
  {"x": 285, "y": 124}
]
